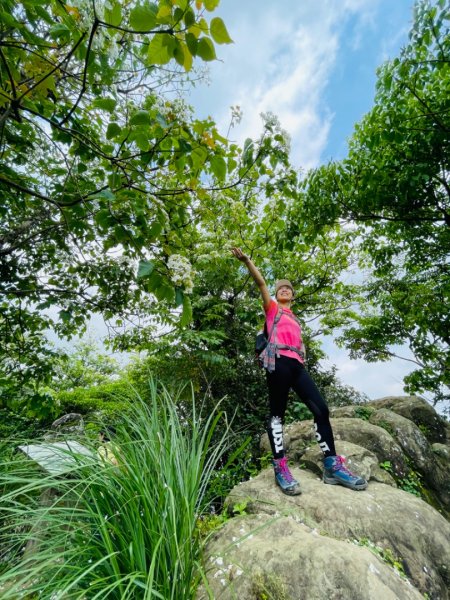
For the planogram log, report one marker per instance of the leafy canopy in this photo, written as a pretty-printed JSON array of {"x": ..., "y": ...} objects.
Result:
[
  {"x": 99, "y": 170},
  {"x": 394, "y": 187}
]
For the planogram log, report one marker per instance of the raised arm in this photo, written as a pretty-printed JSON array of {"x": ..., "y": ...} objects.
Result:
[{"x": 257, "y": 277}]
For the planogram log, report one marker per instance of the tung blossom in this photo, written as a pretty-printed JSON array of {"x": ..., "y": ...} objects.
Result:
[{"x": 181, "y": 272}]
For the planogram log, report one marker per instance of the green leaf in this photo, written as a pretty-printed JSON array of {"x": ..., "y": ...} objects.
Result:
[
  {"x": 247, "y": 155},
  {"x": 60, "y": 31},
  {"x": 164, "y": 14},
  {"x": 191, "y": 43},
  {"x": 188, "y": 60},
  {"x": 145, "y": 268},
  {"x": 155, "y": 230},
  {"x": 198, "y": 156},
  {"x": 161, "y": 120},
  {"x": 178, "y": 15},
  {"x": 218, "y": 167},
  {"x": 42, "y": 13},
  {"x": 165, "y": 292},
  {"x": 142, "y": 141},
  {"x": 115, "y": 180},
  {"x": 143, "y": 17},
  {"x": 105, "y": 195},
  {"x": 65, "y": 315},
  {"x": 113, "y": 130},
  {"x": 104, "y": 218},
  {"x": 108, "y": 104},
  {"x": 189, "y": 17},
  {"x": 178, "y": 54},
  {"x": 205, "y": 49},
  {"x": 158, "y": 53},
  {"x": 179, "y": 296},
  {"x": 211, "y": 5},
  {"x": 219, "y": 32},
  {"x": 186, "y": 315},
  {"x": 114, "y": 16},
  {"x": 8, "y": 20},
  {"x": 141, "y": 117}
]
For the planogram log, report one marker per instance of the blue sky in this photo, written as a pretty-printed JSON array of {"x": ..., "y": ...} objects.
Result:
[{"x": 312, "y": 63}]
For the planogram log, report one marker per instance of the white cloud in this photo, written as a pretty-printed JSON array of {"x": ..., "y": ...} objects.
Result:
[{"x": 281, "y": 62}]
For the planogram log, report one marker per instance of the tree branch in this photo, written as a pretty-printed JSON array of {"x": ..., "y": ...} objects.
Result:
[
  {"x": 55, "y": 68},
  {"x": 83, "y": 85}
]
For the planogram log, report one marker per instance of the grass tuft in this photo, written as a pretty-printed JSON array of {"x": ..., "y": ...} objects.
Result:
[{"x": 125, "y": 531}]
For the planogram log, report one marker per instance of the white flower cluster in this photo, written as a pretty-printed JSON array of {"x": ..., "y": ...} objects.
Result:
[
  {"x": 85, "y": 18},
  {"x": 236, "y": 115},
  {"x": 124, "y": 261},
  {"x": 181, "y": 272},
  {"x": 178, "y": 107},
  {"x": 272, "y": 123}
]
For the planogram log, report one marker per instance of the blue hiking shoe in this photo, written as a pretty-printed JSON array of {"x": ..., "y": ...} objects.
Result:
[
  {"x": 335, "y": 472},
  {"x": 284, "y": 479}
]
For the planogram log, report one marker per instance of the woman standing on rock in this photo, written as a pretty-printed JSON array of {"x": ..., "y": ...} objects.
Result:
[{"x": 284, "y": 359}]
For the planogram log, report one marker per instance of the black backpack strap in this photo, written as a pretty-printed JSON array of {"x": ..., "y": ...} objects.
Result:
[{"x": 274, "y": 324}]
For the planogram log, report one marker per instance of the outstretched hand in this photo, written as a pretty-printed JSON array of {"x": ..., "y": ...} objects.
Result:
[{"x": 237, "y": 252}]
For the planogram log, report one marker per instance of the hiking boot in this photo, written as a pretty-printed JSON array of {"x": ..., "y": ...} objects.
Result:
[
  {"x": 284, "y": 479},
  {"x": 335, "y": 472}
]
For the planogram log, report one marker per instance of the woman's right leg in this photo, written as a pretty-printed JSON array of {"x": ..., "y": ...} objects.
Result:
[{"x": 279, "y": 383}]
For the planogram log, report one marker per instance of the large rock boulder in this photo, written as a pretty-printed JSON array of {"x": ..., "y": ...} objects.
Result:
[
  {"x": 317, "y": 545},
  {"x": 401, "y": 432},
  {"x": 335, "y": 543},
  {"x": 418, "y": 410},
  {"x": 300, "y": 436},
  {"x": 418, "y": 450},
  {"x": 282, "y": 558}
]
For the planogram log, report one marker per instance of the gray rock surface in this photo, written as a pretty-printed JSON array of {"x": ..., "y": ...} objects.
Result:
[
  {"x": 300, "y": 436},
  {"x": 403, "y": 528},
  {"x": 70, "y": 423},
  {"x": 418, "y": 450},
  {"x": 420, "y": 412},
  {"x": 358, "y": 459},
  {"x": 281, "y": 558},
  {"x": 334, "y": 543},
  {"x": 398, "y": 432}
]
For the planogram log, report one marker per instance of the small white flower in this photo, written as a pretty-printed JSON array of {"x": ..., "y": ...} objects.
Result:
[
  {"x": 181, "y": 273},
  {"x": 236, "y": 115}
]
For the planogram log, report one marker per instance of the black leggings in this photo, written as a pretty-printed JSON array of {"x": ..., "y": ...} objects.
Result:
[{"x": 290, "y": 373}]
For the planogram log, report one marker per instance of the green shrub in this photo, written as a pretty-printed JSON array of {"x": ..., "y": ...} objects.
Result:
[
  {"x": 297, "y": 411},
  {"x": 364, "y": 412},
  {"x": 411, "y": 482},
  {"x": 109, "y": 399}
]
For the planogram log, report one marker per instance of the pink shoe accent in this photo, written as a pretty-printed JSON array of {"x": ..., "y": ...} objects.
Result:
[{"x": 284, "y": 469}]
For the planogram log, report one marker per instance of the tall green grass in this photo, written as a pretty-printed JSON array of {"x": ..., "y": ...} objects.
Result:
[{"x": 120, "y": 532}]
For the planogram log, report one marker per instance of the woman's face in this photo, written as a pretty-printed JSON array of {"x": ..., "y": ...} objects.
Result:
[{"x": 285, "y": 293}]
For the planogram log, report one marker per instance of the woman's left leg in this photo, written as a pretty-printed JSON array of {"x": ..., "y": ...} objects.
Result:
[
  {"x": 335, "y": 471},
  {"x": 305, "y": 388}
]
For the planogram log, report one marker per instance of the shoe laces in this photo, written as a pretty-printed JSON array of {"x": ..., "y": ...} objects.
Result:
[
  {"x": 284, "y": 469},
  {"x": 340, "y": 465}
]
